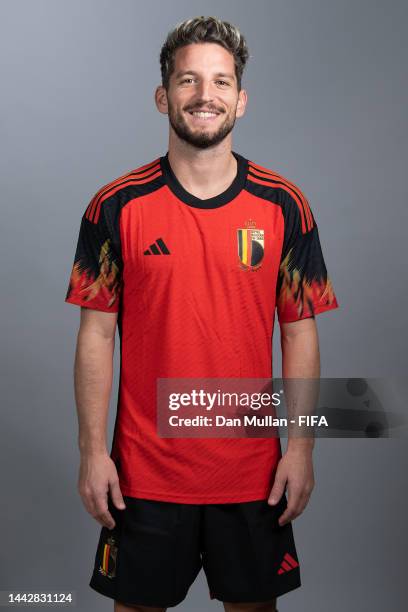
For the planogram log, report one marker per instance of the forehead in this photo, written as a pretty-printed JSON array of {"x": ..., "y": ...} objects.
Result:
[{"x": 203, "y": 57}]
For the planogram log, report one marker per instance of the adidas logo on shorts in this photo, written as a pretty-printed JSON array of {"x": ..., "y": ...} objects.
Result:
[{"x": 288, "y": 563}]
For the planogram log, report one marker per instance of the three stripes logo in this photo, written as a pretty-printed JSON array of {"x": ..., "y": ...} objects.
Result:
[
  {"x": 157, "y": 248},
  {"x": 288, "y": 563}
]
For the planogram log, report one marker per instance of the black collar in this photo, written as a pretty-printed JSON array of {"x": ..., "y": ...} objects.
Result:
[{"x": 219, "y": 200}]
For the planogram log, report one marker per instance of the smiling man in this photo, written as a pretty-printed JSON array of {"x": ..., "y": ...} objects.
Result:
[{"x": 191, "y": 255}]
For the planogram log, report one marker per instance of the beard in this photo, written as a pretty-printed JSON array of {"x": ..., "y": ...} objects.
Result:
[{"x": 200, "y": 138}]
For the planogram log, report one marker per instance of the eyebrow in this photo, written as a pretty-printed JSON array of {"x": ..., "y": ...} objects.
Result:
[{"x": 180, "y": 73}]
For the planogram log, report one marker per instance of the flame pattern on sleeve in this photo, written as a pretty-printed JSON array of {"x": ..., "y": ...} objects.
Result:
[
  {"x": 304, "y": 288},
  {"x": 100, "y": 292},
  {"x": 96, "y": 280}
]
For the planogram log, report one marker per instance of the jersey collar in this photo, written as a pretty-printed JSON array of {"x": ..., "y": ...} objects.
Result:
[{"x": 215, "y": 202}]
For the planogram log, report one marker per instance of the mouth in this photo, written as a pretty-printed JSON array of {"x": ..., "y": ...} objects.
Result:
[{"x": 206, "y": 116}]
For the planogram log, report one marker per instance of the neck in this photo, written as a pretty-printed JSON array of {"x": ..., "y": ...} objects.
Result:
[{"x": 203, "y": 172}]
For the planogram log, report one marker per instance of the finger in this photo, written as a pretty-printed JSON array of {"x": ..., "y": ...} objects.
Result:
[
  {"x": 116, "y": 495},
  {"x": 288, "y": 515},
  {"x": 102, "y": 514},
  {"x": 303, "y": 502},
  {"x": 277, "y": 490},
  {"x": 290, "y": 511},
  {"x": 297, "y": 502},
  {"x": 88, "y": 501}
]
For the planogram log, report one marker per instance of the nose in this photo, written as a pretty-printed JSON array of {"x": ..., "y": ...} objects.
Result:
[{"x": 204, "y": 90}]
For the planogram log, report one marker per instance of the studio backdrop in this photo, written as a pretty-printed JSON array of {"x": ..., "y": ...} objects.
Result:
[{"x": 327, "y": 102}]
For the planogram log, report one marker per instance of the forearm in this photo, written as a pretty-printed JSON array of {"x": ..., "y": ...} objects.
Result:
[
  {"x": 93, "y": 373},
  {"x": 301, "y": 372}
]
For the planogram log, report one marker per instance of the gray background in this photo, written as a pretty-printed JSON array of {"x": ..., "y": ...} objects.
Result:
[{"x": 327, "y": 105}]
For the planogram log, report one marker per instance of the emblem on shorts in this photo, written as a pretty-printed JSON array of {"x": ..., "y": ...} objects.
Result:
[
  {"x": 109, "y": 554},
  {"x": 288, "y": 563},
  {"x": 250, "y": 246}
]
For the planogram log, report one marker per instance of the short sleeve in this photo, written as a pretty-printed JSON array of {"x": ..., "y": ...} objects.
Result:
[
  {"x": 96, "y": 277},
  {"x": 304, "y": 288}
]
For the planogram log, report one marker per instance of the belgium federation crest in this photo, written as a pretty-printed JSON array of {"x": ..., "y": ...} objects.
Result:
[
  {"x": 250, "y": 246},
  {"x": 109, "y": 554}
]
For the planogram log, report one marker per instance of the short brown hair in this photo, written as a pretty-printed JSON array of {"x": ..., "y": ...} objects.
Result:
[{"x": 200, "y": 30}]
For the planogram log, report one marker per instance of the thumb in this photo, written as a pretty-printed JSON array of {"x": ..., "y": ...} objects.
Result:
[
  {"x": 116, "y": 495},
  {"x": 277, "y": 489}
]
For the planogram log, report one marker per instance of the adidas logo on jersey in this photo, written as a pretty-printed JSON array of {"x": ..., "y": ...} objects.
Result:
[
  {"x": 288, "y": 563},
  {"x": 157, "y": 248}
]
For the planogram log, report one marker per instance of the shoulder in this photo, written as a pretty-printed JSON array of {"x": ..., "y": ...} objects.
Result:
[
  {"x": 119, "y": 191},
  {"x": 275, "y": 187}
]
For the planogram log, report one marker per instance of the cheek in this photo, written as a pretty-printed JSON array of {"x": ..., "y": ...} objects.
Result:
[{"x": 231, "y": 102}]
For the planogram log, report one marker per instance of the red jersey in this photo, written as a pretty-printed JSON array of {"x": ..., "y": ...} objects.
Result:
[{"x": 195, "y": 284}]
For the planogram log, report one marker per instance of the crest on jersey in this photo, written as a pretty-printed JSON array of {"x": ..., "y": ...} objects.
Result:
[
  {"x": 250, "y": 246},
  {"x": 109, "y": 555}
]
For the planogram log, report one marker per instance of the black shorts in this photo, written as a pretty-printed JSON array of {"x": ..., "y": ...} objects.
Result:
[{"x": 156, "y": 549}]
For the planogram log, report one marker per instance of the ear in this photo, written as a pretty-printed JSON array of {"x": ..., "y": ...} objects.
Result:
[
  {"x": 242, "y": 102},
  {"x": 160, "y": 97}
]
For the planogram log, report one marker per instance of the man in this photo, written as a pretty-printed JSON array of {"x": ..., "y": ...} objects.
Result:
[{"x": 190, "y": 254}]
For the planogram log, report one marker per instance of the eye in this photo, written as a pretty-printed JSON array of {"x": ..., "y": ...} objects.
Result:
[
  {"x": 224, "y": 82},
  {"x": 187, "y": 79}
]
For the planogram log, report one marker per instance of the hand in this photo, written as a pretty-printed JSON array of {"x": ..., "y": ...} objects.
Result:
[
  {"x": 98, "y": 476},
  {"x": 296, "y": 469}
]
